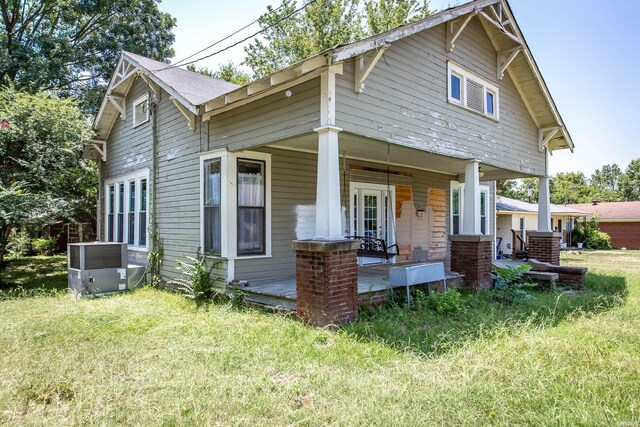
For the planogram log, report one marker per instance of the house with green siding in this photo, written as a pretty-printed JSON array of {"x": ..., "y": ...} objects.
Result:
[{"x": 397, "y": 138}]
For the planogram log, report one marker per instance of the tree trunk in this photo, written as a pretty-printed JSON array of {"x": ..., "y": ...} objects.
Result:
[{"x": 4, "y": 236}]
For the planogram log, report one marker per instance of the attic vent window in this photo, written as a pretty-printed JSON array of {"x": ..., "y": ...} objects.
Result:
[
  {"x": 472, "y": 92},
  {"x": 140, "y": 110}
]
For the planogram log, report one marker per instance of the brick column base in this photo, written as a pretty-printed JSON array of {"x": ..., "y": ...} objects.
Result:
[
  {"x": 472, "y": 255},
  {"x": 326, "y": 281},
  {"x": 544, "y": 246}
]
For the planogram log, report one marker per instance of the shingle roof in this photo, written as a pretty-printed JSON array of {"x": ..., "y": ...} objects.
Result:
[
  {"x": 194, "y": 87},
  {"x": 612, "y": 210},
  {"x": 505, "y": 204}
]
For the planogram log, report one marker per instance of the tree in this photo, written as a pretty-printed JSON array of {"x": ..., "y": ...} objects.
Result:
[
  {"x": 322, "y": 25},
  {"x": 71, "y": 46},
  {"x": 630, "y": 183},
  {"x": 41, "y": 175},
  {"x": 606, "y": 182},
  {"x": 228, "y": 72},
  {"x": 383, "y": 15},
  {"x": 507, "y": 188},
  {"x": 570, "y": 187}
]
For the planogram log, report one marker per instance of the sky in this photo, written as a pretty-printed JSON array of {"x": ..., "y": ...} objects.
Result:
[{"x": 588, "y": 52}]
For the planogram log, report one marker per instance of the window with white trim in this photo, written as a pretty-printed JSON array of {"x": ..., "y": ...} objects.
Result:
[
  {"x": 457, "y": 208},
  {"x": 236, "y": 204},
  {"x": 126, "y": 209},
  {"x": 141, "y": 110},
  {"x": 471, "y": 91}
]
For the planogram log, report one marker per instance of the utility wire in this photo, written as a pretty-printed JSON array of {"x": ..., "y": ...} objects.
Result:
[
  {"x": 168, "y": 67},
  {"x": 223, "y": 39}
]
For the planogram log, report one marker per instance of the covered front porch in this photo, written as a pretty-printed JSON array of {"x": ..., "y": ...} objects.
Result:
[{"x": 373, "y": 287}]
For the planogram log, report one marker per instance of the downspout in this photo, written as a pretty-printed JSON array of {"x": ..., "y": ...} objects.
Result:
[{"x": 155, "y": 253}]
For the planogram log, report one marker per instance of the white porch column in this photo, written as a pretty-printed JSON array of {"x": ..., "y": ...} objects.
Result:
[
  {"x": 328, "y": 209},
  {"x": 544, "y": 205},
  {"x": 471, "y": 212}
]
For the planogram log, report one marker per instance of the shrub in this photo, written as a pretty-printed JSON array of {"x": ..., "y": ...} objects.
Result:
[
  {"x": 510, "y": 285},
  {"x": 598, "y": 240},
  {"x": 589, "y": 234},
  {"x": 44, "y": 245},
  {"x": 197, "y": 282},
  {"x": 18, "y": 242},
  {"x": 449, "y": 301}
]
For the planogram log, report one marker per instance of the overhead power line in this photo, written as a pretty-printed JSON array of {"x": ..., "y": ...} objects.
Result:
[
  {"x": 223, "y": 39},
  {"x": 168, "y": 67}
]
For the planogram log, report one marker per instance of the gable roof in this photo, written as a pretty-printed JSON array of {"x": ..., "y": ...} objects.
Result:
[
  {"x": 612, "y": 210},
  {"x": 189, "y": 89},
  {"x": 501, "y": 27},
  {"x": 506, "y": 205}
]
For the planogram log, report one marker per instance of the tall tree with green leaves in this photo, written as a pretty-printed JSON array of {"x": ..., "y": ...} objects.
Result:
[
  {"x": 570, "y": 187},
  {"x": 71, "y": 46},
  {"x": 228, "y": 72},
  {"x": 630, "y": 184},
  {"x": 383, "y": 15},
  {"x": 606, "y": 183},
  {"x": 41, "y": 175},
  {"x": 321, "y": 25}
]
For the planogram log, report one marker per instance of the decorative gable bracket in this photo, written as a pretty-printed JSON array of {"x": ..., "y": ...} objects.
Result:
[
  {"x": 152, "y": 85},
  {"x": 191, "y": 118},
  {"x": 453, "y": 31},
  {"x": 120, "y": 103},
  {"x": 545, "y": 135},
  {"x": 503, "y": 63},
  {"x": 101, "y": 148},
  {"x": 365, "y": 64}
]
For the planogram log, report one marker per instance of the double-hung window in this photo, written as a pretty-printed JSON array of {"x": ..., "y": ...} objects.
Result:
[
  {"x": 472, "y": 92},
  {"x": 235, "y": 215},
  {"x": 457, "y": 208},
  {"x": 126, "y": 209}
]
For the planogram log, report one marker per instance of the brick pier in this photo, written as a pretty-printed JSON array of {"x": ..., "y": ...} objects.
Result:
[
  {"x": 544, "y": 246},
  {"x": 471, "y": 255},
  {"x": 326, "y": 281}
]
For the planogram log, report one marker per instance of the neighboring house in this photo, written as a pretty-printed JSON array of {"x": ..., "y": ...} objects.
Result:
[
  {"x": 620, "y": 220},
  {"x": 517, "y": 217},
  {"x": 400, "y": 136}
]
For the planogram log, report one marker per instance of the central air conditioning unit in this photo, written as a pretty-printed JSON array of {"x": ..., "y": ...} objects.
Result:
[{"x": 99, "y": 268}]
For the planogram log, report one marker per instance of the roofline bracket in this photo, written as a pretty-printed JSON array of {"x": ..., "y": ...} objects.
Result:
[
  {"x": 453, "y": 33},
  {"x": 503, "y": 63},
  {"x": 501, "y": 24},
  {"x": 364, "y": 69},
  {"x": 152, "y": 85},
  {"x": 191, "y": 118},
  {"x": 101, "y": 148},
  {"x": 545, "y": 135},
  {"x": 120, "y": 104}
]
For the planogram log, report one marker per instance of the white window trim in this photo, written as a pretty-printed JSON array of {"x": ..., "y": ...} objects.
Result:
[
  {"x": 460, "y": 186},
  {"x": 135, "y": 103},
  {"x": 136, "y": 176},
  {"x": 229, "y": 201},
  {"x": 463, "y": 74}
]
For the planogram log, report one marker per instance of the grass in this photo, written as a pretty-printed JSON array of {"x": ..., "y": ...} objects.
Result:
[
  {"x": 29, "y": 275},
  {"x": 151, "y": 357}
]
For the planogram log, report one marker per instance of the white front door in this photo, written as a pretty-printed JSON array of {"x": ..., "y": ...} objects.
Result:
[{"x": 372, "y": 208}]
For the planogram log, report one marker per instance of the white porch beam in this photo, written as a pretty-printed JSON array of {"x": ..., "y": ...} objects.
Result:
[
  {"x": 191, "y": 118},
  {"x": 282, "y": 76},
  {"x": 452, "y": 34},
  {"x": 363, "y": 70},
  {"x": 545, "y": 135},
  {"x": 119, "y": 103},
  {"x": 471, "y": 213}
]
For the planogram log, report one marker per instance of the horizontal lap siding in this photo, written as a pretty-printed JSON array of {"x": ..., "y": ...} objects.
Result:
[
  {"x": 269, "y": 119},
  {"x": 178, "y": 195},
  {"x": 405, "y": 102}
]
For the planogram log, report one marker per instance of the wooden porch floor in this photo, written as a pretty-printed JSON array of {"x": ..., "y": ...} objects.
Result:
[{"x": 281, "y": 292}]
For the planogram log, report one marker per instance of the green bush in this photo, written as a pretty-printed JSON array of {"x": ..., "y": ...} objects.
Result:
[
  {"x": 18, "y": 242},
  {"x": 598, "y": 240},
  {"x": 510, "y": 285},
  {"x": 44, "y": 245},
  {"x": 449, "y": 301},
  {"x": 197, "y": 282}
]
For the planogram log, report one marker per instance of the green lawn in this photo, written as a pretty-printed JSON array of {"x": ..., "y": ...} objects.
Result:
[{"x": 150, "y": 358}]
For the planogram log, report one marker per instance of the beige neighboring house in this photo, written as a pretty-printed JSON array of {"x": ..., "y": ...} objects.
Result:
[
  {"x": 515, "y": 218},
  {"x": 398, "y": 137}
]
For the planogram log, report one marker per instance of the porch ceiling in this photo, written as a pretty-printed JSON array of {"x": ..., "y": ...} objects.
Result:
[{"x": 361, "y": 148}]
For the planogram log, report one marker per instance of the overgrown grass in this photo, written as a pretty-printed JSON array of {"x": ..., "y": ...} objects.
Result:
[
  {"x": 152, "y": 358},
  {"x": 37, "y": 275}
]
